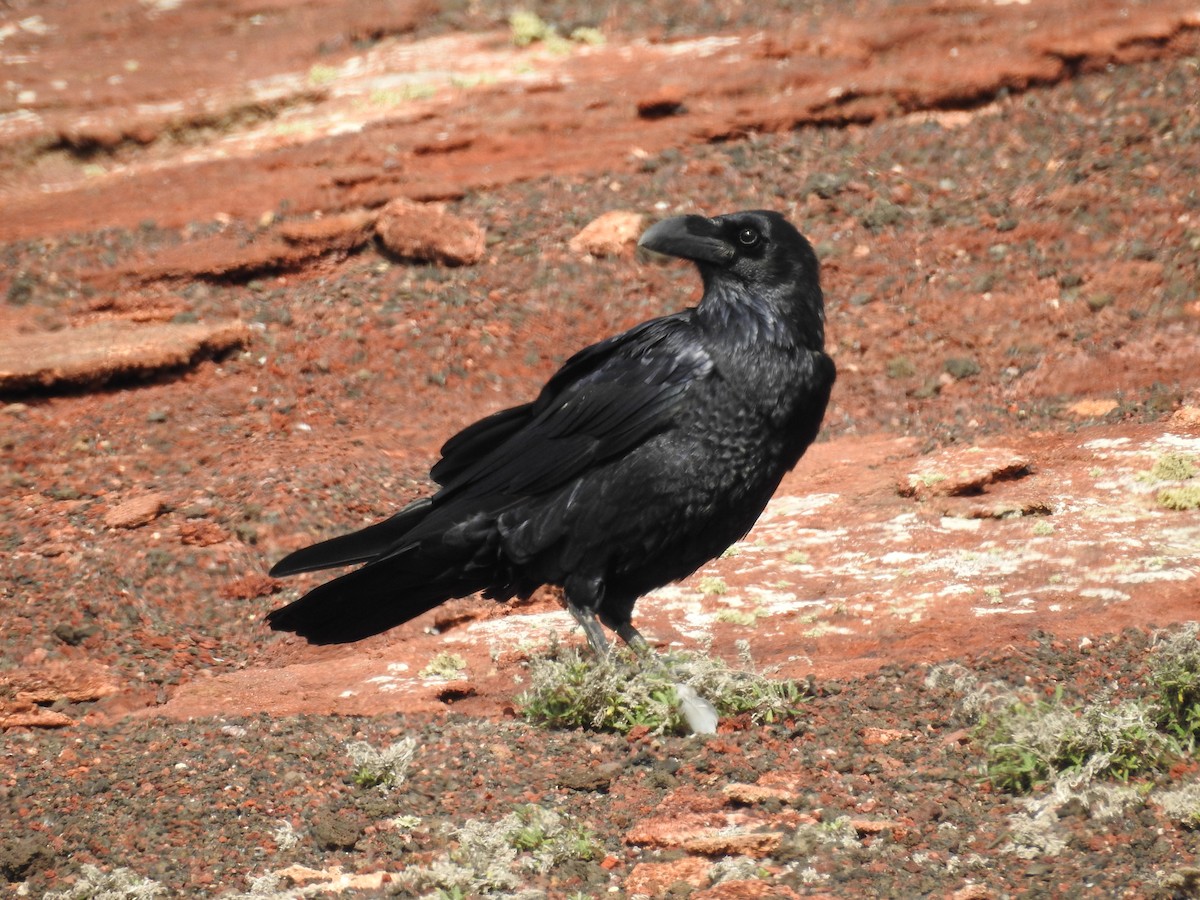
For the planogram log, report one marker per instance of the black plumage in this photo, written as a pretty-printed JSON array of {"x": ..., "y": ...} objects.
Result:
[{"x": 643, "y": 457}]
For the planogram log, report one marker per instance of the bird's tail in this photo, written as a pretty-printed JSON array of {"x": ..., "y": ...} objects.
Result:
[
  {"x": 360, "y": 546},
  {"x": 414, "y": 562},
  {"x": 371, "y": 600}
]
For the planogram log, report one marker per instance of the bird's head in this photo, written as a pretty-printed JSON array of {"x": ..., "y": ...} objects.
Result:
[{"x": 754, "y": 256}]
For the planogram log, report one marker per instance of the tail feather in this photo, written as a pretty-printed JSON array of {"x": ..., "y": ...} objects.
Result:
[
  {"x": 414, "y": 562},
  {"x": 371, "y": 600},
  {"x": 360, "y": 546}
]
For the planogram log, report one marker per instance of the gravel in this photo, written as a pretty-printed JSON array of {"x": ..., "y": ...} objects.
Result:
[{"x": 875, "y": 790}]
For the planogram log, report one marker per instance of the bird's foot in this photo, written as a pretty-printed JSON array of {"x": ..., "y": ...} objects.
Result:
[
  {"x": 633, "y": 640},
  {"x": 700, "y": 715}
]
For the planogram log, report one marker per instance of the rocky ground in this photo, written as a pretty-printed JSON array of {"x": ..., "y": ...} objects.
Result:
[{"x": 251, "y": 283}]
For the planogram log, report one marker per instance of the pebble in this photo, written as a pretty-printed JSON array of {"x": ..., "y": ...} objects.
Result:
[{"x": 135, "y": 512}]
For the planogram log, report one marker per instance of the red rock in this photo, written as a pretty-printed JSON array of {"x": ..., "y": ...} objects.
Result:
[
  {"x": 425, "y": 231},
  {"x": 673, "y": 830},
  {"x": 749, "y": 889},
  {"x": 1186, "y": 417},
  {"x": 655, "y": 878},
  {"x": 957, "y": 472},
  {"x": 879, "y": 737},
  {"x": 666, "y": 101},
  {"x": 972, "y": 892},
  {"x": 608, "y": 235},
  {"x": 343, "y": 231},
  {"x": 744, "y": 843},
  {"x": 202, "y": 533},
  {"x": 751, "y": 794},
  {"x": 99, "y": 352},
  {"x": 871, "y": 826},
  {"x": 714, "y": 833},
  {"x": 25, "y": 692},
  {"x": 53, "y": 681},
  {"x": 32, "y": 717},
  {"x": 135, "y": 512},
  {"x": 250, "y": 586}
]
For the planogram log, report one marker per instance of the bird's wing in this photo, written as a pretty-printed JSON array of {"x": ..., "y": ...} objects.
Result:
[
  {"x": 603, "y": 401},
  {"x": 475, "y": 441}
]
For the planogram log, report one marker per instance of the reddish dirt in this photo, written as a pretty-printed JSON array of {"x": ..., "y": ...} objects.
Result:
[{"x": 1003, "y": 196}]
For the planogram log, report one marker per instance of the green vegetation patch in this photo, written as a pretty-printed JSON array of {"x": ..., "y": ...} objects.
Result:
[
  {"x": 1175, "y": 678},
  {"x": 526, "y": 28},
  {"x": 1174, "y": 467},
  {"x": 489, "y": 856},
  {"x": 444, "y": 665},
  {"x": 1180, "y": 498},
  {"x": 624, "y": 691},
  {"x": 1029, "y": 744},
  {"x": 381, "y": 768}
]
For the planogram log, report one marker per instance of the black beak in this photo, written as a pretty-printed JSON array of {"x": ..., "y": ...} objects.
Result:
[{"x": 688, "y": 237}]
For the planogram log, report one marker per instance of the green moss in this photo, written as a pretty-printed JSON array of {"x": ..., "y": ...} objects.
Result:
[
  {"x": 444, "y": 665},
  {"x": 901, "y": 367},
  {"x": 737, "y": 616},
  {"x": 960, "y": 367},
  {"x": 320, "y": 75},
  {"x": 1180, "y": 498},
  {"x": 1174, "y": 467}
]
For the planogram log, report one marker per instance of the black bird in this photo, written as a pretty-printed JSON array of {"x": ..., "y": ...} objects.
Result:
[{"x": 643, "y": 457}]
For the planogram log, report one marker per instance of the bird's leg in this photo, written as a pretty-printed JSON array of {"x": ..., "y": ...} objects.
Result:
[
  {"x": 633, "y": 639},
  {"x": 587, "y": 620}
]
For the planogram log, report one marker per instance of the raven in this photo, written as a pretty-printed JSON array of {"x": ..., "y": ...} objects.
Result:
[{"x": 643, "y": 457}]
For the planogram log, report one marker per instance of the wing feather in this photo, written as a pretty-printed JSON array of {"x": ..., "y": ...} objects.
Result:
[{"x": 603, "y": 401}]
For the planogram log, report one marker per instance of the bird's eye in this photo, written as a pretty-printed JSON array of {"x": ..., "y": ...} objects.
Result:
[{"x": 748, "y": 237}]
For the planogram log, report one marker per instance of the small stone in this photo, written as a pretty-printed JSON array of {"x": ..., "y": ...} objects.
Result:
[
  {"x": 881, "y": 737},
  {"x": 865, "y": 827},
  {"x": 135, "y": 512},
  {"x": 753, "y": 794},
  {"x": 667, "y": 101},
  {"x": 1185, "y": 417},
  {"x": 338, "y": 830},
  {"x": 425, "y": 231},
  {"x": 609, "y": 234},
  {"x": 249, "y": 587},
  {"x": 74, "y": 635},
  {"x": 1093, "y": 409},
  {"x": 588, "y": 778},
  {"x": 653, "y": 878},
  {"x": 756, "y": 844},
  {"x": 202, "y": 534}
]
